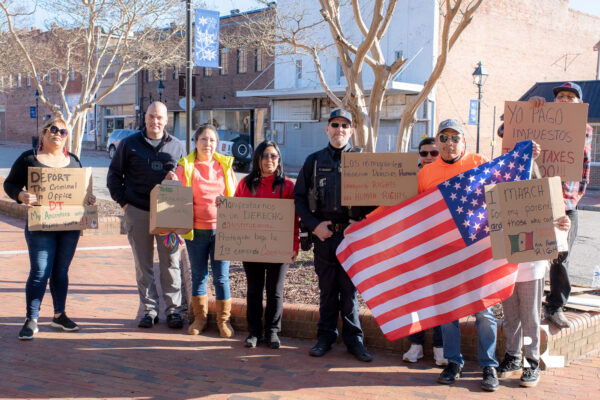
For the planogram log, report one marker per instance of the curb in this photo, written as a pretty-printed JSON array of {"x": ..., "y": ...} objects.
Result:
[{"x": 300, "y": 321}]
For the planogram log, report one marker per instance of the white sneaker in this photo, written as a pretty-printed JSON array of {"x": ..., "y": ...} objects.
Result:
[
  {"x": 438, "y": 356},
  {"x": 414, "y": 353}
]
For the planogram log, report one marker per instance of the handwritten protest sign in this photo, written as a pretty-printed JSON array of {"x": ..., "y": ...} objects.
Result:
[
  {"x": 378, "y": 179},
  {"x": 255, "y": 229},
  {"x": 559, "y": 128},
  {"x": 521, "y": 219},
  {"x": 61, "y": 195},
  {"x": 171, "y": 208},
  {"x": 59, "y": 186},
  {"x": 63, "y": 218}
]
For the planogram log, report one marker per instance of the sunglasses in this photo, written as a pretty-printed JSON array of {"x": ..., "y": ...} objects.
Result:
[
  {"x": 454, "y": 138},
  {"x": 337, "y": 125},
  {"x": 434, "y": 153},
  {"x": 270, "y": 157},
  {"x": 54, "y": 130}
]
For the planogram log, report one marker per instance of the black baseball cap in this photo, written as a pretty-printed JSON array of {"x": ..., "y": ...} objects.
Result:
[{"x": 340, "y": 113}]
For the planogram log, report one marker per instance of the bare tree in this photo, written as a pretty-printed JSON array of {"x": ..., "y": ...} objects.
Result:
[
  {"x": 293, "y": 32},
  {"x": 106, "y": 42},
  {"x": 457, "y": 15}
]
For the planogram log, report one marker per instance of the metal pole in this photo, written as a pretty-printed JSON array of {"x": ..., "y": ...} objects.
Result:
[
  {"x": 188, "y": 76},
  {"x": 478, "y": 114},
  {"x": 494, "y": 133},
  {"x": 37, "y": 117}
]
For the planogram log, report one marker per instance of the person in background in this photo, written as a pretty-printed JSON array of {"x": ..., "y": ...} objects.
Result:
[
  {"x": 210, "y": 175},
  {"x": 141, "y": 162},
  {"x": 266, "y": 180},
  {"x": 428, "y": 153},
  {"x": 50, "y": 252},
  {"x": 573, "y": 191}
]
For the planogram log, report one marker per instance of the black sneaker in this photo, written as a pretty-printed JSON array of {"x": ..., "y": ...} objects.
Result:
[
  {"x": 251, "y": 341},
  {"x": 557, "y": 317},
  {"x": 490, "y": 379},
  {"x": 147, "y": 321},
  {"x": 63, "y": 322},
  {"x": 319, "y": 349},
  {"x": 359, "y": 352},
  {"x": 28, "y": 330},
  {"x": 272, "y": 340},
  {"x": 530, "y": 377},
  {"x": 510, "y": 366},
  {"x": 450, "y": 374},
  {"x": 174, "y": 321}
]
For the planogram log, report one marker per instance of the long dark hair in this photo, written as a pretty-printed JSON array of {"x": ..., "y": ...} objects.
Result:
[{"x": 253, "y": 178}]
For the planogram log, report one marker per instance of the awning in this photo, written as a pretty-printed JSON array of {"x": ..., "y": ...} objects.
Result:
[{"x": 312, "y": 92}]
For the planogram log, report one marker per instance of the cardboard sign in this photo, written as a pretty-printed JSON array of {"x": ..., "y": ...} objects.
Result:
[
  {"x": 559, "y": 128},
  {"x": 521, "y": 219},
  {"x": 171, "y": 208},
  {"x": 63, "y": 218},
  {"x": 378, "y": 179},
  {"x": 61, "y": 194},
  {"x": 255, "y": 229},
  {"x": 57, "y": 187}
]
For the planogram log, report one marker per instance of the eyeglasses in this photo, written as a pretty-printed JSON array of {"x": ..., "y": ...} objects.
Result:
[
  {"x": 273, "y": 157},
  {"x": 55, "y": 129},
  {"x": 454, "y": 138},
  {"x": 337, "y": 125},
  {"x": 434, "y": 153}
]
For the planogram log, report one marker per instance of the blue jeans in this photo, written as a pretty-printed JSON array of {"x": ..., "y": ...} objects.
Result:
[
  {"x": 485, "y": 321},
  {"x": 50, "y": 255},
  {"x": 199, "y": 250},
  {"x": 419, "y": 337}
]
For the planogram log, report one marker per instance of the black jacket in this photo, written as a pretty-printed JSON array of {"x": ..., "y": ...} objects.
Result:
[
  {"x": 328, "y": 179},
  {"x": 17, "y": 177},
  {"x": 137, "y": 167}
]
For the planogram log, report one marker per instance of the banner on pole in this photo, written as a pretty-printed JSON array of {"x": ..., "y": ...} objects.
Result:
[
  {"x": 206, "y": 38},
  {"x": 473, "y": 105}
]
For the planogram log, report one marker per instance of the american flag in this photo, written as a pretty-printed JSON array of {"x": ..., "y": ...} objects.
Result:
[{"x": 428, "y": 260}]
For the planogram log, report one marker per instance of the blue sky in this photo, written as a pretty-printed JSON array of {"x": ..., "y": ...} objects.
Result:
[
  {"x": 225, "y": 6},
  {"x": 588, "y": 6}
]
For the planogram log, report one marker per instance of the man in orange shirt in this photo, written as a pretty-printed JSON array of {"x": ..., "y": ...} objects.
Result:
[{"x": 453, "y": 160}]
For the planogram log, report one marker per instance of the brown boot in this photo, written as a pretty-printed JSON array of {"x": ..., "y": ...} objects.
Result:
[
  {"x": 223, "y": 314},
  {"x": 200, "y": 310}
]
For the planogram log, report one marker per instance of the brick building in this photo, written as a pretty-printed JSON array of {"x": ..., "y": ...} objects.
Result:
[
  {"x": 519, "y": 42},
  {"x": 214, "y": 90},
  {"x": 18, "y": 122}
]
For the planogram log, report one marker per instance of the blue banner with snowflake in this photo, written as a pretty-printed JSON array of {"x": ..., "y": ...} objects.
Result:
[{"x": 206, "y": 39}]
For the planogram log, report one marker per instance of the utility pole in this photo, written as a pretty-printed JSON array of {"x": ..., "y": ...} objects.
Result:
[{"x": 188, "y": 76}]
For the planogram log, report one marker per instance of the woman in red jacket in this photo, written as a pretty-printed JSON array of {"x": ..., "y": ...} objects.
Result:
[{"x": 267, "y": 180}]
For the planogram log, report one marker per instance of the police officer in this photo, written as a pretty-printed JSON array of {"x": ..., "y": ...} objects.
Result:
[{"x": 317, "y": 196}]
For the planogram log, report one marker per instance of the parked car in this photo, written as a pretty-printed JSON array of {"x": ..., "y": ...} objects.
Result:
[
  {"x": 236, "y": 144},
  {"x": 115, "y": 138}
]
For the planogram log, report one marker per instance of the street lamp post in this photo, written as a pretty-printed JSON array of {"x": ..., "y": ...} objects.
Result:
[
  {"x": 479, "y": 78},
  {"x": 37, "y": 114},
  {"x": 160, "y": 89}
]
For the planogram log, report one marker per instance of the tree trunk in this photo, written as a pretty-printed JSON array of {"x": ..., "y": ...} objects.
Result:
[{"x": 77, "y": 131}]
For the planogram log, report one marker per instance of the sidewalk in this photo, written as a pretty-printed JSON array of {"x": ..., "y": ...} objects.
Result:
[
  {"x": 590, "y": 201},
  {"x": 111, "y": 357}
]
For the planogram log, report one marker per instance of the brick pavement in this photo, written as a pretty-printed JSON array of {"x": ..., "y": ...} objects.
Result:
[{"x": 110, "y": 357}]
